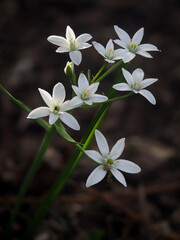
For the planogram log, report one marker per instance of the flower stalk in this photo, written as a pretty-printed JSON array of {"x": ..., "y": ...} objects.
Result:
[
  {"x": 115, "y": 66},
  {"x": 99, "y": 72}
]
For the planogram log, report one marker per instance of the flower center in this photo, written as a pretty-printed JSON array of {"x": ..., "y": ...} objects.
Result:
[
  {"x": 110, "y": 161},
  {"x": 56, "y": 109},
  {"x": 107, "y": 165},
  {"x": 72, "y": 44},
  {"x": 132, "y": 47},
  {"x": 110, "y": 53},
  {"x": 136, "y": 84},
  {"x": 86, "y": 94}
]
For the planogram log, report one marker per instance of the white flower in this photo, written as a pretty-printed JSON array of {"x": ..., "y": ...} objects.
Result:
[
  {"x": 136, "y": 84},
  {"x": 108, "y": 53},
  {"x": 133, "y": 46},
  {"x": 71, "y": 44},
  {"x": 86, "y": 93},
  {"x": 109, "y": 161},
  {"x": 56, "y": 107}
]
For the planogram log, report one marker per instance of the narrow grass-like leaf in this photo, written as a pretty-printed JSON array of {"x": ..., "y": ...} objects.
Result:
[{"x": 41, "y": 122}]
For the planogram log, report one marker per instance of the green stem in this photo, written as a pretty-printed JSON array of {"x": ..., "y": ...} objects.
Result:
[
  {"x": 118, "y": 98},
  {"x": 69, "y": 168},
  {"x": 109, "y": 100},
  {"x": 28, "y": 179},
  {"x": 99, "y": 72},
  {"x": 109, "y": 71},
  {"x": 41, "y": 122}
]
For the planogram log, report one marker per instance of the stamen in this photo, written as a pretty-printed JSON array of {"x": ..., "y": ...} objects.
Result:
[
  {"x": 136, "y": 84},
  {"x": 133, "y": 46},
  {"x": 86, "y": 93}
]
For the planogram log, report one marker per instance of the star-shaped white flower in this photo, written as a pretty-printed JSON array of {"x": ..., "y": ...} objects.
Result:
[
  {"x": 86, "y": 93},
  {"x": 109, "y": 161},
  {"x": 136, "y": 84},
  {"x": 71, "y": 44},
  {"x": 56, "y": 107},
  {"x": 133, "y": 46},
  {"x": 109, "y": 54}
]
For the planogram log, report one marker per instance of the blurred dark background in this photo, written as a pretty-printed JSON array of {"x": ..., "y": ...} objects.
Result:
[{"x": 149, "y": 208}]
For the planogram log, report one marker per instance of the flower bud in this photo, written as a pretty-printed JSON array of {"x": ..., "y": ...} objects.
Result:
[{"x": 69, "y": 69}]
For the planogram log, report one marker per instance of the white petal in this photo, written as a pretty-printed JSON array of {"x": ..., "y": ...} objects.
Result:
[
  {"x": 119, "y": 176},
  {"x": 117, "y": 149},
  {"x": 127, "y": 166},
  {"x": 99, "y": 98},
  {"x": 66, "y": 106},
  {"x": 53, "y": 118},
  {"x": 94, "y": 155},
  {"x": 59, "y": 94},
  {"x": 108, "y": 60},
  {"x": 96, "y": 176},
  {"x": 76, "y": 57},
  {"x": 39, "y": 112},
  {"x": 82, "y": 82},
  {"x": 128, "y": 77},
  {"x": 69, "y": 120},
  {"x": 118, "y": 54},
  {"x": 144, "y": 54},
  {"x": 101, "y": 142},
  {"x": 62, "y": 50},
  {"x": 88, "y": 102},
  {"x": 148, "y": 95},
  {"x": 84, "y": 46},
  {"x": 76, "y": 101},
  {"x": 76, "y": 90},
  {"x": 147, "y": 47},
  {"x": 46, "y": 97},
  {"x": 110, "y": 45},
  {"x": 93, "y": 87},
  {"x": 59, "y": 41},
  {"x": 121, "y": 87},
  {"x": 137, "y": 38},
  {"x": 70, "y": 33},
  {"x": 120, "y": 43},
  {"x": 101, "y": 50},
  {"x": 83, "y": 38},
  {"x": 147, "y": 82},
  {"x": 128, "y": 56},
  {"x": 122, "y": 35},
  {"x": 138, "y": 74}
]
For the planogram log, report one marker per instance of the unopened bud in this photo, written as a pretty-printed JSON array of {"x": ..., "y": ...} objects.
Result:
[{"x": 69, "y": 69}]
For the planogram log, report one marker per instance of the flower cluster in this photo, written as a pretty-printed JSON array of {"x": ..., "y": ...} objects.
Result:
[{"x": 84, "y": 94}]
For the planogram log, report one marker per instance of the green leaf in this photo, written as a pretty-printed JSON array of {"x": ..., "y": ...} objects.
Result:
[{"x": 62, "y": 131}]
